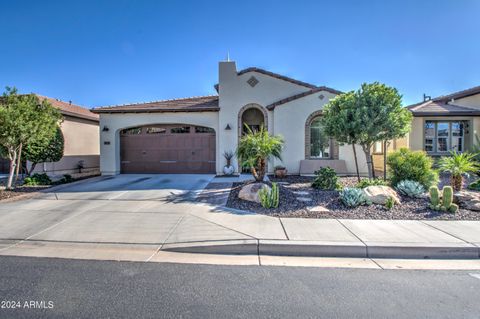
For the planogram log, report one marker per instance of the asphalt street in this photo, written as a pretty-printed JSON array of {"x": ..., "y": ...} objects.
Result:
[{"x": 61, "y": 288}]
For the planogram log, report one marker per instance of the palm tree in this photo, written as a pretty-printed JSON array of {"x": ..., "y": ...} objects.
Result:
[
  {"x": 458, "y": 164},
  {"x": 256, "y": 148}
]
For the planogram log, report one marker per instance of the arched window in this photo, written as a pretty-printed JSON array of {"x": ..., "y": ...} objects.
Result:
[{"x": 320, "y": 143}]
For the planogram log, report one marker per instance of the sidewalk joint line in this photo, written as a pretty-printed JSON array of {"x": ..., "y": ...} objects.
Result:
[
  {"x": 166, "y": 239},
  {"x": 208, "y": 221},
  {"x": 355, "y": 235},
  {"x": 283, "y": 227},
  {"x": 258, "y": 253},
  {"x": 42, "y": 231},
  {"x": 445, "y": 232}
]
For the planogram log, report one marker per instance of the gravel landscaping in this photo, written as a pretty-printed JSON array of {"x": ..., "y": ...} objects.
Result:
[{"x": 293, "y": 187}]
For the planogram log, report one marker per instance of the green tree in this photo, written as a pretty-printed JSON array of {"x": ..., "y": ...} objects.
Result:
[
  {"x": 374, "y": 113},
  {"x": 256, "y": 148},
  {"x": 340, "y": 121},
  {"x": 24, "y": 119},
  {"x": 44, "y": 150}
]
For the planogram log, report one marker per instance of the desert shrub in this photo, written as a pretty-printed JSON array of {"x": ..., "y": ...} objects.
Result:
[
  {"x": 269, "y": 198},
  {"x": 475, "y": 185},
  {"x": 410, "y": 188},
  {"x": 67, "y": 178},
  {"x": 326, "y": 179},
  {"x": 37, "y": 179},
  {"x": 405, "y": 164},
  {"x": 371, "y": 182},
  {"x": 353, "y": 197},
  {"x": 390, "y": 203}
]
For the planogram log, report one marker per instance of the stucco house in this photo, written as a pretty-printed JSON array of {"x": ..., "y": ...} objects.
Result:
[
  {"x": 446, "y": 123},
  {"x": 189, "y": 135},
  {"x": 81, "y": 134}
]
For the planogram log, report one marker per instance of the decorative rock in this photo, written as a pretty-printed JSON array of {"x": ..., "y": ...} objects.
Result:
[
  {"x": 468, "y": 199},
  {"x": 318, "y": 209},
  {"x": 301, "y": 193},
  {"x": 380, "y": 194},
  {"x": 249, "y": 192},
  {"x": 304, "y": 199}
]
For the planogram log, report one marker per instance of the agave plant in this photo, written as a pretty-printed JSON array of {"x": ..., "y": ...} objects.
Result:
[{"x": 458, "y": 164}]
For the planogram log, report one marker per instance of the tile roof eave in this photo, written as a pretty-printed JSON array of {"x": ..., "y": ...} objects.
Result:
[
  {"x": 146, "y": 110},
  {"x": 440, "y": 114},
  {"x": 301, "y": 95}
]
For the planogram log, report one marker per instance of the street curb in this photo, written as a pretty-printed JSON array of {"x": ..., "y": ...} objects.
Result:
[
  {"x": 226, "y": 247},
  {"x": 329, "y": 249}
]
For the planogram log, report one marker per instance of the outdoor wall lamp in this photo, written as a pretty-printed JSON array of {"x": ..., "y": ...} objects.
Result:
[
  {"x": 228, "y": 128},
  {"x": 105, "y": 129}
]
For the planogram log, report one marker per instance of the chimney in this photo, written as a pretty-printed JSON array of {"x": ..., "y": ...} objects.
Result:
[
  {"x": 227, "y": 71},
  {"x": 70, "y": 102}
]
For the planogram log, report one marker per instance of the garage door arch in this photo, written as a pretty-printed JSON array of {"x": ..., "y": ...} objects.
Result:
[{"x": 177, "y": 148}]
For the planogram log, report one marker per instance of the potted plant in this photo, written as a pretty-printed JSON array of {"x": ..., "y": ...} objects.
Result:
[
  {"x": 228, "y": 169},
  {"x": 280, "y": 171}
]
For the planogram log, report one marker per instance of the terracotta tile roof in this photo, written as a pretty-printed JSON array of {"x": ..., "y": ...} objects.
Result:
[
  {"x": 66, "y": 108},
  {"x": 443, "y": 105},
  {"x": 459, "y": 94},
  {"x": 272, "y": 74},
  {"x": 300, "y": 95},
  {"x": 278, "y": 76},
  {"x": 189, "y": 104},
  {"x": 440, "y": 108}
]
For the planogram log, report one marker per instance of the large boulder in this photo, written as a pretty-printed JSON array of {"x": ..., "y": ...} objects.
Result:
[
  {"x": 250, "y": 192},
  {"x": 380, "y": 194},
  {"x": 468, "y": 199}
]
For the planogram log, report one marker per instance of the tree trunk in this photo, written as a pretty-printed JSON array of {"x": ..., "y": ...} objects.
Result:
[
  {"x": 385, "y": 145},
  {"x": 368, "y": 157},
  {"x": 457, "y": 181},
  {"x": 356, "y": 161},
  {"x": 29, "y": 171},
  {"x": 19, "y": 163},
  {"x": 13, "y": 159}
]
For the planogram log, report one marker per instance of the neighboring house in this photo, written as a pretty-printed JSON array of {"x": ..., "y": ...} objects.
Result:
[
  {"x": 446, "y": 123},
  {"x": 81, "y": 135},
  {"x": 189, "y": 135}
]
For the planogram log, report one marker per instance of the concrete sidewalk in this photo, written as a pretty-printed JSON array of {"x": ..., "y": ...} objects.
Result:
[
  {"x": 124, "y": 230},
  {"x": 337, "y": 237}
]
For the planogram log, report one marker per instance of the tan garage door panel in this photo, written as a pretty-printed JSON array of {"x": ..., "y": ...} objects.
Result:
[{"x": 167, "y": 149}]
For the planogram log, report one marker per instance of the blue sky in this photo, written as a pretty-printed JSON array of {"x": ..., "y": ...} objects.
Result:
[{"x": 110, "y": 52}]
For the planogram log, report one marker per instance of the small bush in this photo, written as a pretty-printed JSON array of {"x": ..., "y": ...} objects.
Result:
[
  {"x": 410, "y": 188},
  {"x": 353, "y": 197},
  {"x": 326, "y": 179},
  {"x": 475, "y": 185},
  {"x": 390, "y": 203},
  {"x": 371, "y": 182},
  {"x": 269, "y": 198},
  {"x": 37, "y": 179},
  {"x": 67, "y": 178},
  {"x": 405, "y": 164}
]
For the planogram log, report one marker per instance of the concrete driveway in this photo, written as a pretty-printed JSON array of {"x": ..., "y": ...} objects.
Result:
[{"x": 124, "y": 209}]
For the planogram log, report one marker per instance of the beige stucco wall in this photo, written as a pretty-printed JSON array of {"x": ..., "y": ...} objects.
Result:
[
  {"x": 289, "y": 121},
  {"x": 110, "y": 153},
  {"x": 235, "y": 93},
  {"x": 416, "y": 136},
  {"x": 81, "y": 137},
  {"x": 81, "y": 143}
]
